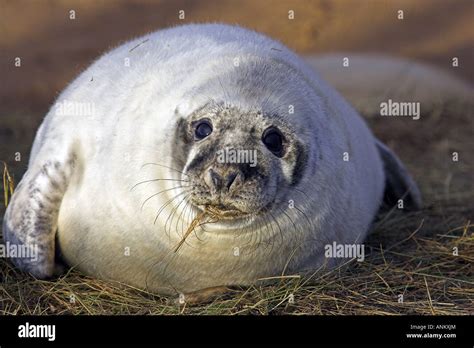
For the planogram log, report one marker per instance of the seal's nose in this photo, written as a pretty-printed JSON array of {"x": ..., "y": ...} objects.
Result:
[{"x": 222, "y": 179}]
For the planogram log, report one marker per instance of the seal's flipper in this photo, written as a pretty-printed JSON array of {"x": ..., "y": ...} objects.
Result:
[
  {"x": 30, "y": 222},
  {"x": 398, "y": 182}
]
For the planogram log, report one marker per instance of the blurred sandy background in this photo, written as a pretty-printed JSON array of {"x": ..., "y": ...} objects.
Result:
[{"x": 54, "y": 49}]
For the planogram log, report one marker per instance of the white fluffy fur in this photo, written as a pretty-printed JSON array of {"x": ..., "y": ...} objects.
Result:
[{"x": 100, "y": 216}]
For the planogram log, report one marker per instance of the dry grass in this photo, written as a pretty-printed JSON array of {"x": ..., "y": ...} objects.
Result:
[{"x": 407, "y": 254}]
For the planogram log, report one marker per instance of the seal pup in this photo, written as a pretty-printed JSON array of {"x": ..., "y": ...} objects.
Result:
[{"x": 128, "y": 157}]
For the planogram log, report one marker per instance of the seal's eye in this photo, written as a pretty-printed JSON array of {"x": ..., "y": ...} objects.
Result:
[
  {"x": 273, "y": 140},
  {"x": 203, "y": 129}
]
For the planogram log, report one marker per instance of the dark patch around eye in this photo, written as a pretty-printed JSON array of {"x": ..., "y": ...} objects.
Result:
[
  {"x": 301, "y": 160},
  {"x": 182, "y": 143}
]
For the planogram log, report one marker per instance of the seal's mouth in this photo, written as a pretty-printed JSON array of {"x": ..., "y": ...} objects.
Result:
[
  {"x": 230, "y": 214},
  {"x": 210, "y": 214},
  {"x": 225, "y": 212}
]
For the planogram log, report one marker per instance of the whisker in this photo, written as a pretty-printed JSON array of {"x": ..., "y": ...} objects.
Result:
[
  {"x": 156, "y": 194},
  {"x": 261, "y": 237},
  {"x": 310, "y": 225},
  {"x": 183, "y": 215},
  {"x": 144, "y": 182},
  {"x": 184, "y": 219},
  {"x": 162, "y": 165},
  {"x": 190, "y": 216},
  {"x": 167, "y": 203},
  {"x": 279, "y": 227},
  {"x": 173, "y": 212},
  {"x": 289, "y": 218},
  {"x": 272, "y": 220},
  {"x": 301, "y": 191}
]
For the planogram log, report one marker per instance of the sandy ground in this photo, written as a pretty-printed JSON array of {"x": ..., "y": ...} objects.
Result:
[{"x": 54, "y": 49}]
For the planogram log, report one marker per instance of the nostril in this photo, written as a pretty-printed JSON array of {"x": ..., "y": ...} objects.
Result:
[
  {"x": 212, "y": 179},
  {"x": 222, "y": 182},
  {"x": 230, "y": 180},
  {"x": 216, "y": 179}
]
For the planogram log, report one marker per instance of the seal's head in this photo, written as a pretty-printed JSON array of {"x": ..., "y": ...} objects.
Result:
[{"x": 236, "y": 160}]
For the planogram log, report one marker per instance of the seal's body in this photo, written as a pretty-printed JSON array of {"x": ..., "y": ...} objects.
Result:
[{"x": 129, "y": 156}]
